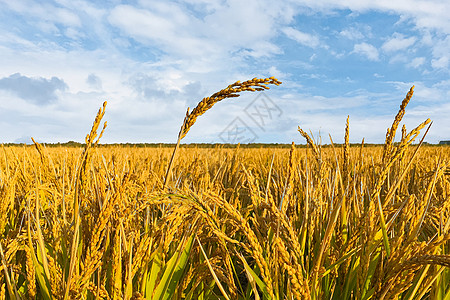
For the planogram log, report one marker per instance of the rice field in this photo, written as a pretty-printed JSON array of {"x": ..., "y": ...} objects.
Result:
[{"x": 305, "y": 222}]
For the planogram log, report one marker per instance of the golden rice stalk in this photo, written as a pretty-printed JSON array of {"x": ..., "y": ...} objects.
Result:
[
  {"x": 3, "y": 292},
  {"x": 81, "y": 181},
  {"x": 390, "y": 135},
  {"x": 346, "y": 150},
  {"x": 310, "y": 142},
  {"x": 142, "y": 252},
  {"x": 93, "y": 134},
  {"x": 345, "y": 177},
  {"x": 47, "y": 163},
  {"x": 56, "y": 275},
  {"x": 100, "y": 292},
  {"x": 290, "y": 180},
  {"x": 300, "y": 287},
  {"x": 31, "y": 274},
  {"x": 253, "y": 187},
  {"x": 404, "y": 133},
  {"x": 95, "y": 251},
  {"x": 255, "y": 248},
  {"x": 396, "y": 154},
  {"x": 117, "y": 267},
  {"x": 9, "y": 283},
  {"x": 231, "y": 91},
  {"x": 7, "y": 196},
  {"x": 442, "y": 260}
]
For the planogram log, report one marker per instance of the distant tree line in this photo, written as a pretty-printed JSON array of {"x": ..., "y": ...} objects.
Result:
[{"x": 72, "y": 144}]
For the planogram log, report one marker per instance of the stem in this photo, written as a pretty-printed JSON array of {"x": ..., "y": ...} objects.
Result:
[{"x": 169, "y": 168}]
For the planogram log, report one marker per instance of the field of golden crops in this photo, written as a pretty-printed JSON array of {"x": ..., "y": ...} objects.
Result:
[{"x": 334, "y": 222}]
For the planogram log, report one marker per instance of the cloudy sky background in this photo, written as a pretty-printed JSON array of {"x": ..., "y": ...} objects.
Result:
[{"x": 59, "y": 60}]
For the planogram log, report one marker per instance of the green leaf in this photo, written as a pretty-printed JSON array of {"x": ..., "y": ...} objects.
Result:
[
  {"x": 366, "y": 293},
  {"x": 43, "y": 280},
  {"x": 216, "y": 279},
  {"x": 154, "y": 271},
  {"x": 173, "y": 271},
  {"x": 383, "y": 229},
  {"x": 259, "y": 282}
]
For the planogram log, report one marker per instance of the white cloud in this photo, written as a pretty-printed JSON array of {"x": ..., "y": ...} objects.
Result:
[
  {"x": 426, "y": 14},
  {"x": 233, "y": 27},
  {"x": 398, "y": 42},
  {"x": 152, "y": 59},
  {"x": 351, "y": 34},
  {"x": 441, "y": 63},
  {"x": 400, "y": 58},
  {"x": 417, "y": 62},
  {"x": 262, "y": 49},
  {"x": 145, "y": 25},
  {"x": 40, "y": 90},
  {"x": 441, "y": 54},
  {"x": 303, "y": 38},
  {"x": 94, "y": 81},
  {"x": 45, "y": 11},
  {"x": 367, "y": 50},
  {"x": 274, "y": 71}
]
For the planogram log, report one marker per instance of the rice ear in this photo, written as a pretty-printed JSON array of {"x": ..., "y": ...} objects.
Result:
[{"x": 231, "y": 91}]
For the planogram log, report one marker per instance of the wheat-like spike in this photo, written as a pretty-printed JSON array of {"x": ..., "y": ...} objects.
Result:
[
  {"x": 310, "y": 141},
  {"x": 102, "y": 292},
  {"x": 3, "y": 291},
  {"x": 255, "y": 248},
  {"x": 230, "y": 91},
  {"x": 31, "y": 273},
  {"x": 290, "y": 180},
  {"x": 442, "y": 260},
  {"x": 401, "y": 148},
  {"x": 93, "y": 134},
  {"x": 116, "y": 273},
  {"x": 142, "y": 251},
  {"x": 346, "y": 151},
  {"x": 300, "y": 288},
  {"x": 390, "y": 135},
  {"x": 95, "y": 251}
]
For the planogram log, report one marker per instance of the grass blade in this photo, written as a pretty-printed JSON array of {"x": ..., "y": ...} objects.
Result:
[
  {"x": 262, "y": 286},
  {"x": 174, "y": 270},
  {"x": 216, "y": 279}
]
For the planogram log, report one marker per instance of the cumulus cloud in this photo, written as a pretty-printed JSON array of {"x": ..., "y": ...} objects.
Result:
[
  {"x": 46, "y": 11},
  {"x": 168, "y": 86},
  {"x": 440, "y": 63},
  {"x": 417, "y": 62},
  {"x": 151, "y": 87},
  {"x": 441, "y": 56},
  {"x": 398, "y": 42},
  {"x": 145, "y": 24},
  {"x": 148, "y": 58},
  {"x": 38, "y": 90},
  {"x": 94, "y": 81},
  {"x": 223, "y": 29},
  {"x": 300, "y": 37},
  {"x": 367, "y": 50},
  {"x": 351, "y": 34},
  {"x": 400, "y": 58},
  {"x": 427, "y": 14}
]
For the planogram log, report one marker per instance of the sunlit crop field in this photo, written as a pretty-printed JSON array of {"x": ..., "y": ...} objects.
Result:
[
  {"x": 311, "y": 222},
  {"x": 280, "y": 223}
]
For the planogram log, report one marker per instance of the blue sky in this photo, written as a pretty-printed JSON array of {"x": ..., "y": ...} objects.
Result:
[{"x": 152, "y": 59}]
